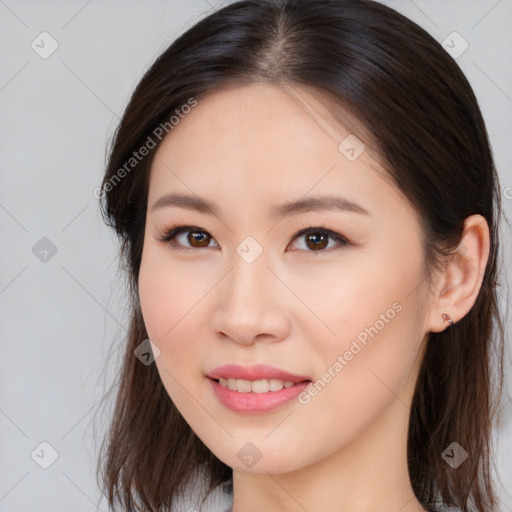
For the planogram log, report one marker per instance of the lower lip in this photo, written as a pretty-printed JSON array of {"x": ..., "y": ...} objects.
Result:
[{"x": 256, "y": 402}]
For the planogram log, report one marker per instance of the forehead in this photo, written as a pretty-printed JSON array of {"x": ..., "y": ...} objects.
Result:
[
  {"x": 252, "y": 115},
  {"x": 262, "y": 143}
]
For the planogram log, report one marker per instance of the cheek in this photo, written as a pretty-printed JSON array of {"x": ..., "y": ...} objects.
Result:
[
  {"x": 169, "y": 328},
  {"x": 374, "y": 314},
  {"x": 166, "y": 294},
  {"x": 170, "y": 301},
  {"x": 352, "y": 302},
  {"x": 165, "y": 316}
]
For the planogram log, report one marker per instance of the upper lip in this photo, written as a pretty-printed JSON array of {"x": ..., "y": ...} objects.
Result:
[{"x": 257, "y": 372}]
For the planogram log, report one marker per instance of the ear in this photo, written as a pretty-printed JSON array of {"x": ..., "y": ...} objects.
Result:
[{"x": 458, "y": 286}]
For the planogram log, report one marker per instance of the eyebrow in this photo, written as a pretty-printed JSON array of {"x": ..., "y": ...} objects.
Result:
[{"x": 307, "y": 204}]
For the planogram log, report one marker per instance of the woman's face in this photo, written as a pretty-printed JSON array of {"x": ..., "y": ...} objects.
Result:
[{"x": 239, "y": 288}]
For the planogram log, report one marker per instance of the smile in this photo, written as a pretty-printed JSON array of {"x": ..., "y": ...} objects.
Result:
[{"x": 257, "y": 388}]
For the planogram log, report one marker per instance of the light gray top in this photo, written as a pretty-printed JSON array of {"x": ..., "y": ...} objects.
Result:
[{"x": 221, "y": 500}]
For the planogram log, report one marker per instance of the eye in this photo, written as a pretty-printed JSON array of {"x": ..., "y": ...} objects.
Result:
[
  {"x": 196, "y": 237},
  {"x": 316, "y": 238}
]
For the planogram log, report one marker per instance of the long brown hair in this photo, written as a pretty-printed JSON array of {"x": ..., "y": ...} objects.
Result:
[{"x": 425, "y": 122}]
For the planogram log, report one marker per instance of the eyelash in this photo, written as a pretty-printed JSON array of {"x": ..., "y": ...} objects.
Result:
[{"x": 170, "y": 233}]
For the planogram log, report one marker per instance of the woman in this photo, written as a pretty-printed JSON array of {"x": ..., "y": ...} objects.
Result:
[{"x": 309, "y": 211}]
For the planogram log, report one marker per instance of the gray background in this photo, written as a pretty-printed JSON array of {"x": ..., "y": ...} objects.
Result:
[{"x": 63, "y": 315}]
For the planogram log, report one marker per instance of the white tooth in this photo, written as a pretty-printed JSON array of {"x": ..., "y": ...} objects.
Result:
[
  {"x": 260, "y": 386},
  {"x": 275, "y": 384},
  {"x": 243, "y": 386}
]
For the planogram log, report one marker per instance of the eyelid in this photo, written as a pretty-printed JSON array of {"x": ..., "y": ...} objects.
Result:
[{"x": 170, "y": 233}]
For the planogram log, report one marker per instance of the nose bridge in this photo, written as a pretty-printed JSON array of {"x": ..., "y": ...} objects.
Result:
[
  {"x": 248, "y": 283},
  {"x": 249, "y": 303}
]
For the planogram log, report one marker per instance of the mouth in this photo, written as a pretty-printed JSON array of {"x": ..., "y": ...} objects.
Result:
[{"x": 256, "y": 389}]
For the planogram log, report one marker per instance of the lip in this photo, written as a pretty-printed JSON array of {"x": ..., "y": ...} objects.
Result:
[
  {"x": 256, "y": 402},
  {"x": 256, "y": 372}
]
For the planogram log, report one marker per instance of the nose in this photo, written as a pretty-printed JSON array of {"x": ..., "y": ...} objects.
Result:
[{"x": 251, "y": 304}]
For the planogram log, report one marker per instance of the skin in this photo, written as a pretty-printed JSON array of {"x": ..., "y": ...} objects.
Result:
[{"x": 294, "y": 307}]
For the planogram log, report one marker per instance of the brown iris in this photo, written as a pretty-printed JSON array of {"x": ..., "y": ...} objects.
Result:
[
  {"x": 198, "y": 239},
  {"x": 320, "y": 240}
]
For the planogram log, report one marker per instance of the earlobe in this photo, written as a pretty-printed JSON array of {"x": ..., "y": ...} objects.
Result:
[{"x": 463, "y": 275}]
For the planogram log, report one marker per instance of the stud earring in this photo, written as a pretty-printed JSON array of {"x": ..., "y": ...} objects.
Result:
[{"x": 448, "y": 317}]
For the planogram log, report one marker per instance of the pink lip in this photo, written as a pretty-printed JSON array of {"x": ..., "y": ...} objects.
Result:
[
  {"x": 256, "y": 402},
  {"x": 257, "y": 372}
]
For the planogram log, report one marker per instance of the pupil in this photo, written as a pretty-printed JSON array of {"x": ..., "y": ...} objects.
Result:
[
  {"x": 314, "y": 238},
  {"x": 198, "y": 238}
]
